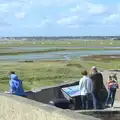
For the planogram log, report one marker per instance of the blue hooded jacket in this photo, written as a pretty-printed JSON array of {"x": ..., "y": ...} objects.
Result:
[{"x": 16, "y": 85}]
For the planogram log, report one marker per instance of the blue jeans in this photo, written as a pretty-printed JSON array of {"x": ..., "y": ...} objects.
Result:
[
  {"x": 97, "y": 103},
  {"x": 111, "y": 94},
  {"x": 84, "y": 100}
]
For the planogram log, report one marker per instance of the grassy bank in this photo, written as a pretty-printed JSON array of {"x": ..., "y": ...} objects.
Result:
[
  {"x": 36, "y": 74},
  {"x": 28, "y": 52},
  {"x": 18, "y": 52},
  {"x": 59, "y": 43}
]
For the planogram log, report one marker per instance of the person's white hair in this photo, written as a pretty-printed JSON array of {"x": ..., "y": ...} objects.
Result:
[{"x": 94, "y": 68}]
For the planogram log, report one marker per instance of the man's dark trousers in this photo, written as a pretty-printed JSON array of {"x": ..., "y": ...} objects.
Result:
[{"x": 97, "y": 103}]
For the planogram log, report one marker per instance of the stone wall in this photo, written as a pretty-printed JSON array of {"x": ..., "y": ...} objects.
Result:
[
  {"x": 103, "y": 114},
  {"x": 47, "y": 94},
  {"x": 18, "y": 108}
]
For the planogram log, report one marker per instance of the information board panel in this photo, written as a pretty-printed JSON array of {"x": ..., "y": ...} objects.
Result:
[{"x": 72, "y": 91}]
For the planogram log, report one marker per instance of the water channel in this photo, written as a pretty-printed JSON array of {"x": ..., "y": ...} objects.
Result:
[{"x": 58, "y": 55}]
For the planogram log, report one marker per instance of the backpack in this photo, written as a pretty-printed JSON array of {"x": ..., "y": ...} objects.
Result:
[{"x": 113, "y": 87}]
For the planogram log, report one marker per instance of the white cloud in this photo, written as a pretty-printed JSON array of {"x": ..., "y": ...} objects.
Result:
[
  {"x": 41, "y": 2},
  {"x": 13, "y": 6},
  {"x": 20, "y": 15},
  {"x": 56, "y": 2},
  {"x": 42, "y": 23},
  {"x": 3, "y": 7},
  {"x": 82, "y": 12},
  {"x": 93, "y": 14},
  {"x": 76, "y": 9},
  {"x": 68, "y": 20},
  {"x": 112, "y": 19},
  {"x": 96, "y": 8},
  {"x": 88, "y": 7},
  {"x": 75, "y": 26},
  {"x": 4, "y": 23},
  {"x": 84, "y": 15}
]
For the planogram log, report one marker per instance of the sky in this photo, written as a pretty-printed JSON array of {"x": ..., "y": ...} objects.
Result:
[{"x": 59, "y": 17}]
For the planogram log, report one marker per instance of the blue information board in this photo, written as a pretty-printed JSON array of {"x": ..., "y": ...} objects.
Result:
[{"x": 72, "y": 91}]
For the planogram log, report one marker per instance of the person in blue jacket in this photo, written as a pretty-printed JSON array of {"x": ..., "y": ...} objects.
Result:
[{"x": 16, "y": 87}]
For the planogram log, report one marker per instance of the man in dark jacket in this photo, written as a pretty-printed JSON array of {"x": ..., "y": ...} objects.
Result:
[{"x": 98, "y": 85}]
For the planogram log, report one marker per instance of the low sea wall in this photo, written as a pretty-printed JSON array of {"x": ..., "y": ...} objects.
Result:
[
  {"x": 103, "y": 114},
  {"x": 18, "y": 108},
  {"x": 47, "y": 94}
]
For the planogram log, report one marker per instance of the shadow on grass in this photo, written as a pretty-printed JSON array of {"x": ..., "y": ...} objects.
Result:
[
  {"x": 75, "y": 65},
  {"x": 51, "y": 78},
  {"x": 4, "y": 82},
  {"x": 28, "y": 52}
]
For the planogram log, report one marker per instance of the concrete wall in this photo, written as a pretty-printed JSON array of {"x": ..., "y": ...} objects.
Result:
[
  {"x": 103, "y": 114},
  {"x": 47, "y": 94},
  {"x": 18, "y": 108}
]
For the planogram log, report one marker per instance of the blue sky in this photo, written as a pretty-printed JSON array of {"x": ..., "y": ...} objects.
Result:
[{"x": 59, "y": 17}]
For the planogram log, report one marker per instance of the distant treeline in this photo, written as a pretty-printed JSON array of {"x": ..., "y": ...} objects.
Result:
[{"x": 65, "y": 38}]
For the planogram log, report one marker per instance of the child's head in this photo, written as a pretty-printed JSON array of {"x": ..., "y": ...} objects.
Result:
[{"x": 110, "y": 77}]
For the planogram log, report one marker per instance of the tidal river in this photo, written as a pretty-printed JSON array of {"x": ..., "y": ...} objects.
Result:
[{"x": 60, "y": 55}]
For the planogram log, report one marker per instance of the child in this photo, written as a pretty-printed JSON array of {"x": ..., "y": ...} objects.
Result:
[
  {"x": 16, "y": 87},
  {"x": 112, "y": 87}
]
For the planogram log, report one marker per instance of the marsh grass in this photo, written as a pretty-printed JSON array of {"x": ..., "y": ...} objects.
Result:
[
  {"x": 16, "y": 52},
  {"x": 44, "y": 73},
  {"x": 57, "y": 43},
  {"x": 37, "y": 74}
]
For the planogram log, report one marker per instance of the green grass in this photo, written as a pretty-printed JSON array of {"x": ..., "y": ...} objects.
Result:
[
  {"x": 6, "y": 49},
  {"x": 36, "y": 74},
  {"x": 40, "y": 73},
  {"x": 16, "y": 52},
  {"x": 51, "y": 43},
  {"x": 28, "y": 52}
]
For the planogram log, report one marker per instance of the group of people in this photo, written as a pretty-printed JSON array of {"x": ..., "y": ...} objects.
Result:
[{"x": 90, "y": 86}]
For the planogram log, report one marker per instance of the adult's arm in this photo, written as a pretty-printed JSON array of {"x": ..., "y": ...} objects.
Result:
[
  {"x": 101, "y": 81},
  {"x": 80, "y": 84},
  {"x": 11, "y": 87},
  {"x": 91, "y": 85}
]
